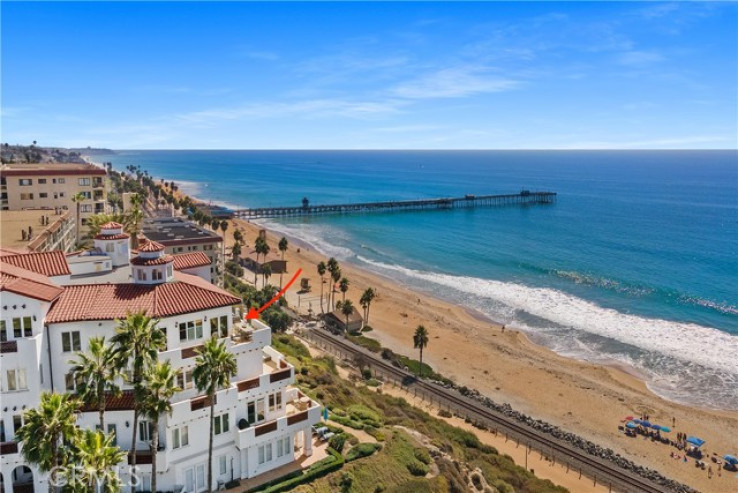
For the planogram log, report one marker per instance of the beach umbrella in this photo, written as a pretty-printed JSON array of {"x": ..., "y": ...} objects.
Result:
[
  {"x": 630, "y": 425},
  {"x": 628, "y": 418},
  {"x": 645, "y": 424},
  {"x": 656, "y": 427},
  {"x": 636, "y": 421},
  {"x": 665, "y": 429},
  {"x": 731, "y": 459},
  {"x": 697, "y": 442}
]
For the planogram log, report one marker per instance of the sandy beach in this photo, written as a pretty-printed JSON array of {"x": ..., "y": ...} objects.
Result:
[{"x": 584, "y": 398}]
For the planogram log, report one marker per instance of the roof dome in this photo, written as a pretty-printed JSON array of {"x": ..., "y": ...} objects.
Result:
[
  {"x": 151, "y": 246},
  {"x": 111, "y": 225}
]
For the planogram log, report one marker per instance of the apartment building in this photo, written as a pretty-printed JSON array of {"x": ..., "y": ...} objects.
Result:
[
  {"x": 178, "y": 235},
  {"x": 49, "y": 313},
  {"x": 38, "y": 230},
  {"x": 52, "y": 185}
]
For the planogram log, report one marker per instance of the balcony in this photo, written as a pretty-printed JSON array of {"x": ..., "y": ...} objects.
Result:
[
  {"x": 7, "y": 448},
  {"x": 98, "y": 184},
  {"x": 300, "y": 411},
  {"x": 8, "y": 347}
]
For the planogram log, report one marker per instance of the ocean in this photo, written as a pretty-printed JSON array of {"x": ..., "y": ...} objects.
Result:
[{"x": 636, "y": 264}]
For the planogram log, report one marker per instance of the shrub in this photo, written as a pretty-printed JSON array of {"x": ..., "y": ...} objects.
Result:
[
  {"x": 373, "y": 382},
  {"x": 376, "y": 433},
  {"x": 362, "y": 450},
  {"x": 422, "y": 455},
  {"x": 337, "y": 442},
  {"x": 367, "y": 328},
  {"x": 366, "y": 373},
  {"x": 444, "y": 414},
  {"x": 417, "y": 468},
  {"x": 321, "y": 468}
]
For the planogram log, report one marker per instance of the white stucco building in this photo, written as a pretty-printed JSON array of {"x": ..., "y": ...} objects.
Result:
[{"x": 49, "y": 312}]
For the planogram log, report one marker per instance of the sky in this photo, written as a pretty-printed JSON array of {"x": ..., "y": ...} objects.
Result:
[{"x": 413, "y": 75}]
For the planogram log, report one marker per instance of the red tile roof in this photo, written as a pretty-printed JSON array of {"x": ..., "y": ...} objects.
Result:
[
  {"x": 115, "y": 301},
  {"x": 45, "y": 263},
  {"x": 190, "y": 260},
  {"x": 26, "y": 283},
  {"x": 152, "y": 261},
  {"x": 122, "y": 402},
  {"x": 151, "y": 246},
  {"x": 111, "y": 225}
]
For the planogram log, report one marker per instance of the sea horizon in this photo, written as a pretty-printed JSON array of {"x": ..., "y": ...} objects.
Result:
[{"x": 574, "y": 297}]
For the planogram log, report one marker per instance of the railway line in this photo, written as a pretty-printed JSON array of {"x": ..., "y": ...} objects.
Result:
[{"x": 601, "y": 471}]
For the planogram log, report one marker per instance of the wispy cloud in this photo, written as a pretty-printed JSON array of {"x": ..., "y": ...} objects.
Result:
[
  {"x": 455, "y": 82},
  {"x": 667, "y": 142}
]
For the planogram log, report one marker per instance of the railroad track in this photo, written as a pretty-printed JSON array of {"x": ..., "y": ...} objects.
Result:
[{"x": 601, "y": 471}]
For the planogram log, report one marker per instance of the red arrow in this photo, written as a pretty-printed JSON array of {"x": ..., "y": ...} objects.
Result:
[{"x": 254, "y": 313}]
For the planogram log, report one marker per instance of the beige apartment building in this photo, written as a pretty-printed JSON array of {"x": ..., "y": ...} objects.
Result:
[
  {"x": 52, "y": 186},
  {"x": 38, "y": 230}
]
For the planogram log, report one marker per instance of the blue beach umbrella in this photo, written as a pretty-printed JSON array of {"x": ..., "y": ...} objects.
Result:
[
  {"x": 656, "y": 427},
  {"x": 731, "y": 459},
  {"x": 646, "y": 424},
  {"x": 630, "y": 425},
  {"x": 697, "y": 442},
  {"x": 665, "y": 429},
  {"x": 637, "y": 421}
]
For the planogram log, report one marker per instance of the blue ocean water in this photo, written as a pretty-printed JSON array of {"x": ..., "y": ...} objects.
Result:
[{"x": 636, "y": 263}]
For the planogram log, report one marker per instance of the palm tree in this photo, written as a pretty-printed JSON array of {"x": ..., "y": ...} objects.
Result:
[
  {"x": 347, "y": 308},
  {"x": 343, "y": 286},
  {"x": 97, "y": 457},
  {"x": 238, "y": 236},
  {"x": 138, "y": 342},
  {"x": 283, "y": 244},
  {"x": 160, "y": 381},
  {"x": 420, "y": 341},
  {"x": 135, "y": 216},
  {"x": 96, "y": 372},
  {"x": 214, "y": 368},
  {"x": 236, "y": 250},
  {"x": 266, "y": 272},
  {"x": 366, "y": 301},
  {"x": 335, "y": 277},
  {"x": 45, "y": 430},
  {"x": 332, "y": 268},
  {"x": 321, "y": 273},
  {"x": 78, "y": 198}
]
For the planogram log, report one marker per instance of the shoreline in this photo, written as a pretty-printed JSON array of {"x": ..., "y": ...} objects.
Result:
[{"x": 587, "y": 398}]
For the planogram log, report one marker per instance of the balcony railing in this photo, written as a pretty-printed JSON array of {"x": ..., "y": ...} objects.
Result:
[
  {"x": 9, "y": 347},
  {"x": 265, "y": 428},
  {"x": 8, "y": 448}
]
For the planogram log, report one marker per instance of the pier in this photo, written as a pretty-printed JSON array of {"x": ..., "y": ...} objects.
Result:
[{"x": 525, "y": 197}]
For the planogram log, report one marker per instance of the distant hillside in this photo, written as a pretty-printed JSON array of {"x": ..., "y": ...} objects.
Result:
[{"x": 34, "y": 154}]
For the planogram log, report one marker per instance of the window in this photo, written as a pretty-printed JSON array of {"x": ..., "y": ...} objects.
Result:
[
  {"x": 17, "y": 379},
  {"x": 56, "y": 195},
  {"x": 87, "y": 195},
  {"x": 71, "y": 341},
  {"x": 220, "y": 424},
  {"x": 262, "y": 456},
  {"x": 169, "y": 270},
  {"x": 42, "y": 181},
  {"x": 84, "y": 182},
  {"x": 251, "y": 412},
  {"x": 17, "y": 422},
  {"x": 268, "y": 448},
  {"x": 219, "y": 326},
  {"x": 275, "y": 401},
  {"x": 222, "y": 465},
  {"x": 61, "y": 180},
  {"x": 85, "y": 208},
  {"x": 25, "y": 182},
  {"x": 43, "y": 195},
  {"x": 110, "y": 248},
  {"x": 156, "y": 275},
  {"x": 283, "y": 446},
  {"x": 71, "y": 381},
  {"x": 113, "y": 430},
  {"x": 22, "y": 327},
  {"x": 3, "y": 331},
  {"x": 62, "y": 195},
  {"x": 180, "y": 437},
  {"x": 145, "y": 430},
  {"x": 141, "y": 275},
  {"x": 185, "y": 380},
  {"x": 189, "y": 331},
  {"x": 2, "y": 431},
  {"x": 26, "y": 196}
]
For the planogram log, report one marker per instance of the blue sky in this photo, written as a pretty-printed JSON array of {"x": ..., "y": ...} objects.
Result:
[{"x": 370, "y": 75}]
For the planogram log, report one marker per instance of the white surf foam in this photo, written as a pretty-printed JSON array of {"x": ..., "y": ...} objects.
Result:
[{"x": 690, "y": 343}]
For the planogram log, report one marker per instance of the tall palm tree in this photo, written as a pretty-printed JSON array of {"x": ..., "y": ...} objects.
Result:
[
  {"x": 236, "y": 250},
  {"x": 321, "y": 272},
  {"x": 420, "y": 341},
  {"x": 266, "y": 272},
  {"x": 96, "y": 372},
  {"x": 96, "y": 457},
  {"x": 78, "y": 198},
  {"x": 138, "y": 342},
  {"x": 283, "y": 244},
  {"x": 238, "y": 236},
  {"x": 343, "y": 286},
  {"x": 366, "y": 300},
  {"x": 46, "y": 429},
  {"x": 332, "y": 268},
  {"x": 135, "y": 216},
  {"x": 347, "y": 308},
  {"x": 214, "y": 368},
  {"x": 335, "y": 277},
  {"x": 160, "y": 381}
]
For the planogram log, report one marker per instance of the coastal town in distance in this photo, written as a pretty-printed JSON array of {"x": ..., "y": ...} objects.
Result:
[{"x": 385, "y": 249}]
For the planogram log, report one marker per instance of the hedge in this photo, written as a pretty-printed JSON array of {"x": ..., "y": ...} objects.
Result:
[
  {"x": 317, "y": 470},
  {"x": 362, "y": 450}
]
